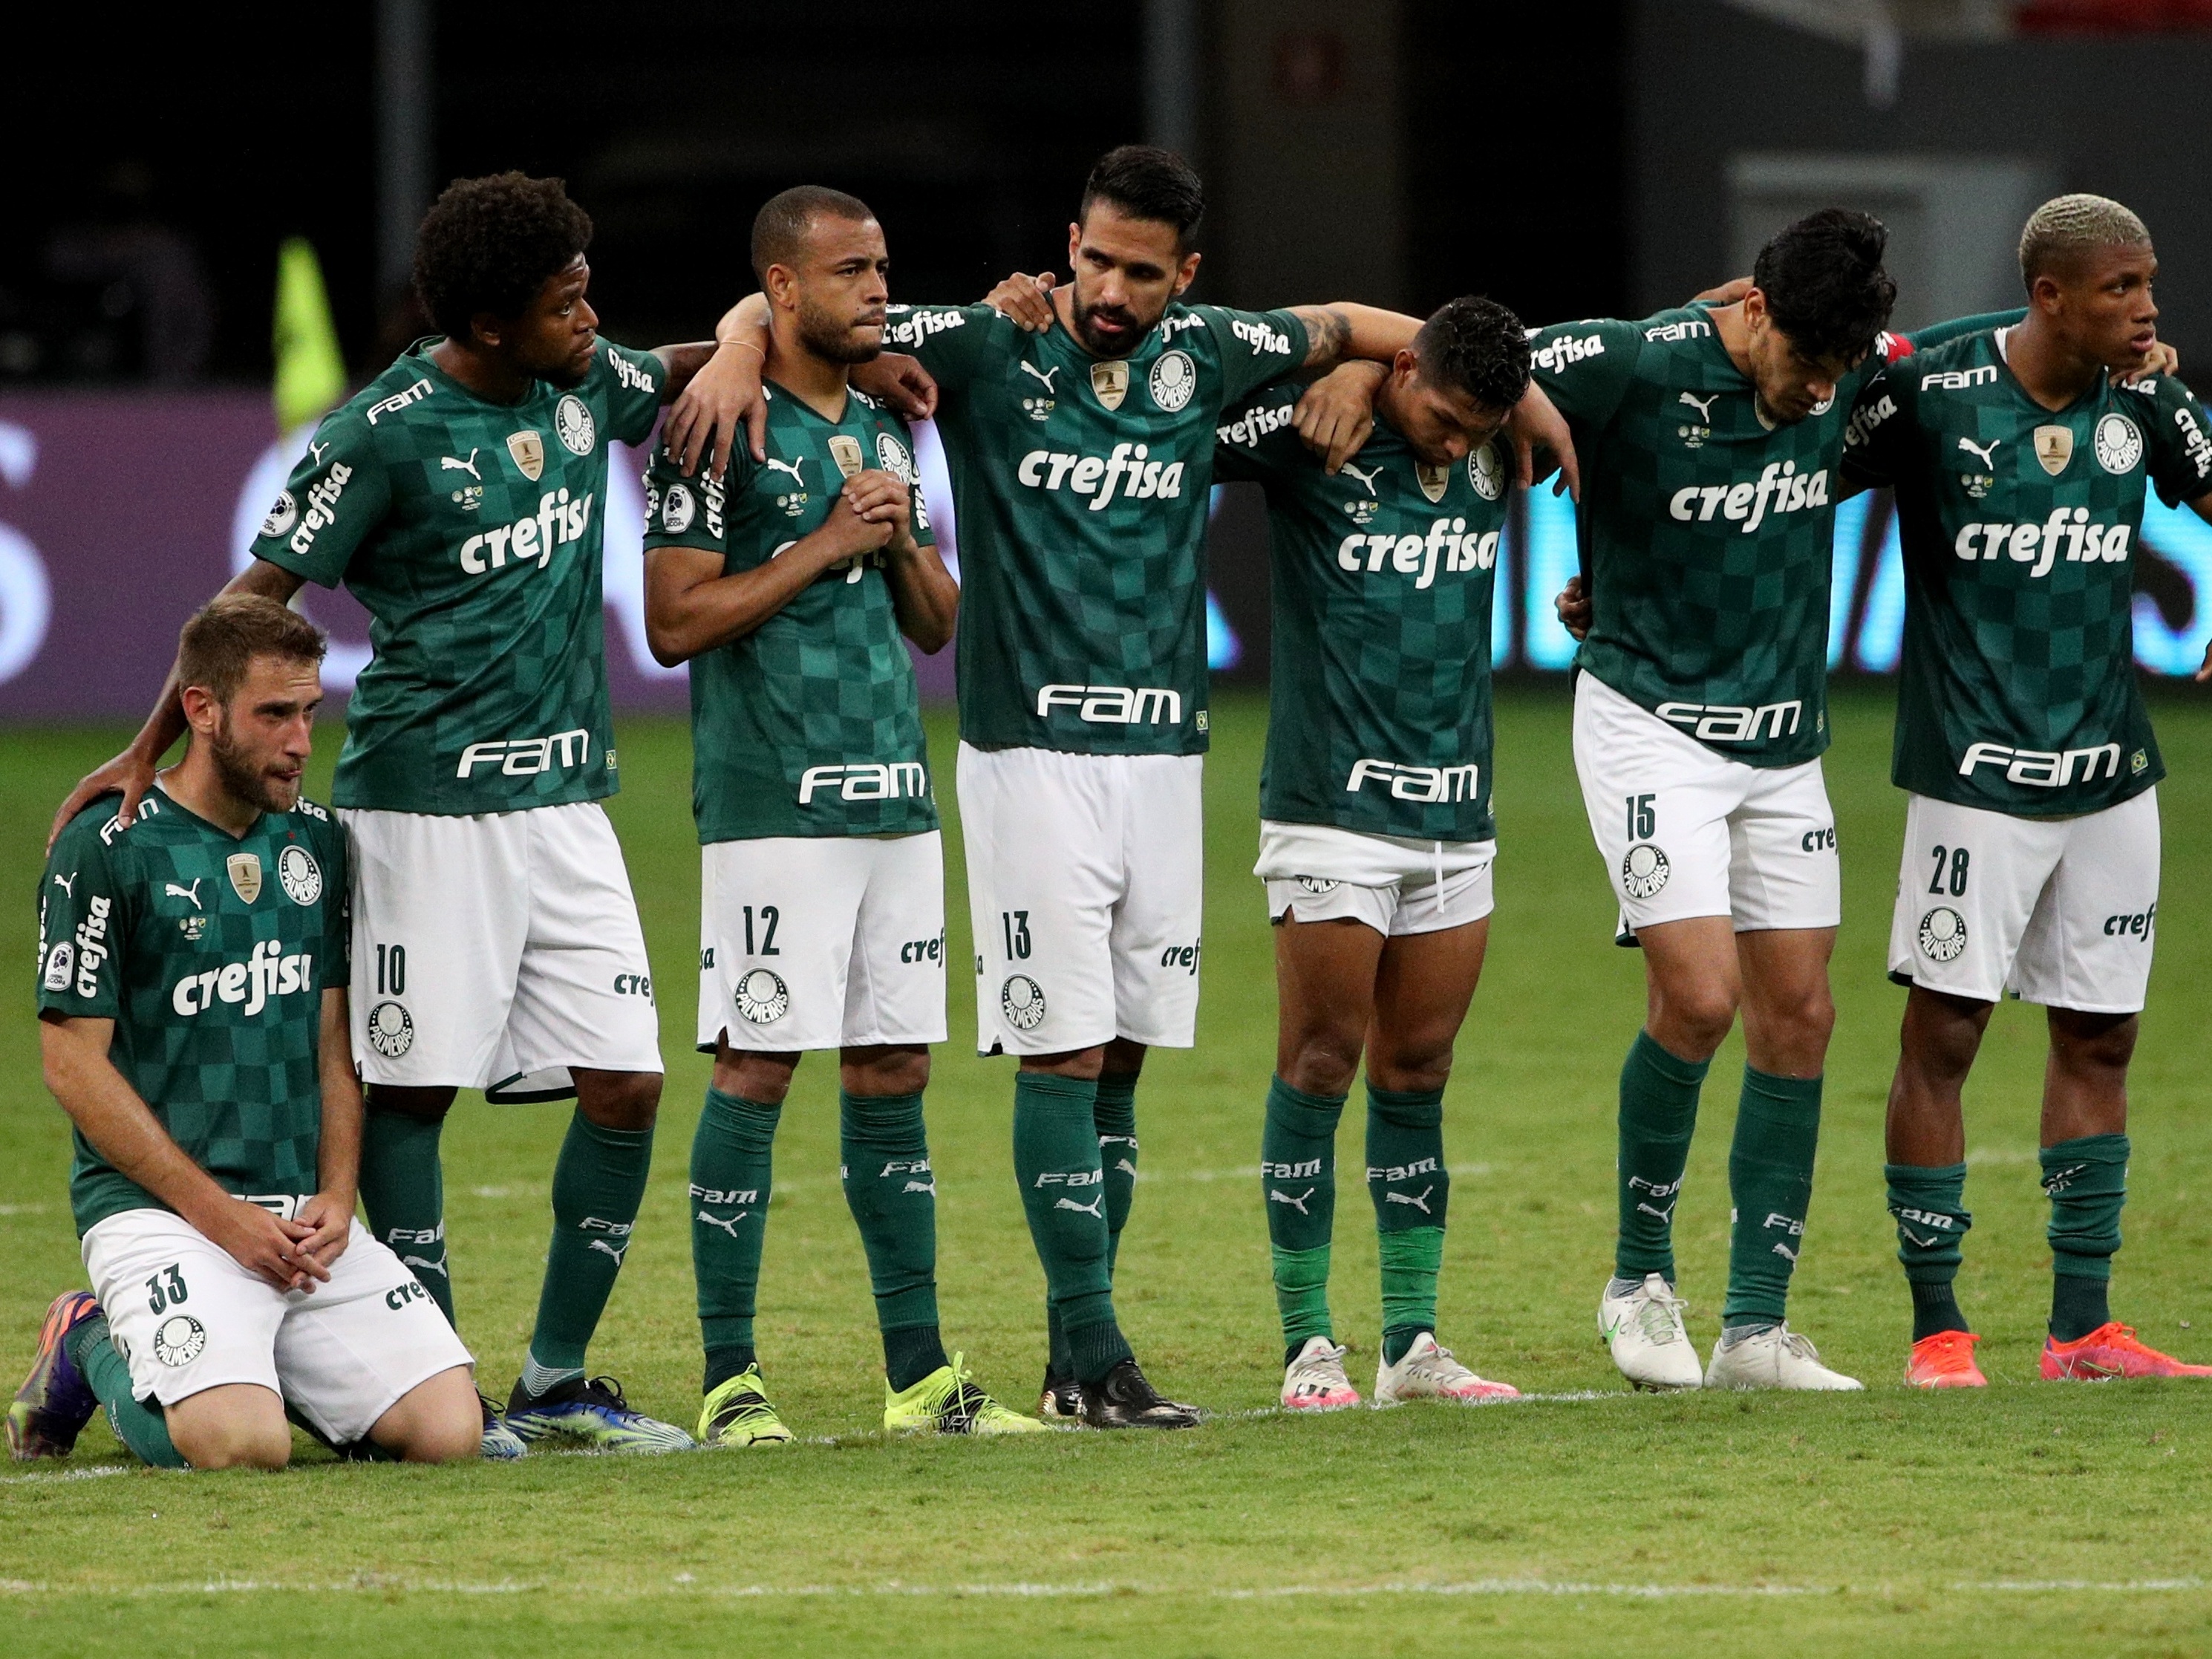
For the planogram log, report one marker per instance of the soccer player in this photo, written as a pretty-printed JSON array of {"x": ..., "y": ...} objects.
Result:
[
  {"x": 1081, "y": 458},
  {"x": 1375, "y": 836},
  {"x": 786, "y": 584},
  {"x": 1709, "y": 438},
  {"x": 192, "y": 1020},
  {"x": 2032, "y": 831},
  {"x": 460, "y": 497}
]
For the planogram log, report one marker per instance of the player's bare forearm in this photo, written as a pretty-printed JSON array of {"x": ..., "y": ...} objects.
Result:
[
  {"x": 925, "y": 599},
  {"x": 115, "y": 1121},
  {"x": 722, "y": 393},
  {"x": 678, "y": 363},
  {"x": 337, "y": 1157},
  {"x": 1343, "y": 330},
  {"x": 691, "y": 606},
  {"x": 131, "y": 773}
]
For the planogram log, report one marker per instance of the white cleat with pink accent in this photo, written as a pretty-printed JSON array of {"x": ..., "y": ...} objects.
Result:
[
  {"x": 1315, "y": 1381},
  {"x": 1429, "y": 1372}
]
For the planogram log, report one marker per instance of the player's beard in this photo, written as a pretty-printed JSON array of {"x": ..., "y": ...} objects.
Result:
[
  {"x": 244, "y": 775},
  {"x": 834, "y": 340},
  {"x": 1137, "y": 328}
]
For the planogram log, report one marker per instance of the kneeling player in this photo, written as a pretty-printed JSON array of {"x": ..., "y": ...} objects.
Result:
[
  {"x": 788, "y": 585},
  {"x": 2031, "y": 839},
  {"x": 193, "y": 1001},
  {"x": 1376, "y": 838}
]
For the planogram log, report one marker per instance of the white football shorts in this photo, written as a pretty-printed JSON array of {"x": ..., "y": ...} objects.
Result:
[
  {"x": 1686, "y": 832},
  {"x": 188, "y": 1318},
  {"x": 2062, "y": 912},
  {"x": 822, "y": 942},
  {"x": 496, "y": 951},
  {"x": 1086, "y": 885},
  {"x": 1323, "y": 872}
]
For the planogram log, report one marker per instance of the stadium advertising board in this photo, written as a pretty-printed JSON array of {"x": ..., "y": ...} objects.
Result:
[{"x": 119, "y": 513}]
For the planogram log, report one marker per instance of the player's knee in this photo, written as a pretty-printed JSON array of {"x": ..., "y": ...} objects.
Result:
[
  {"x": 1410, "y": 1070},
  {"x": 2091, "y": 1043},
  {"x": 1693, "y": 1020},
  {"x": 1323, "y": 1062},
  {"x": 619, "y": 1100},
  {"x": 899, "y": 1071},
  {"x": 237, "y": 1438}
]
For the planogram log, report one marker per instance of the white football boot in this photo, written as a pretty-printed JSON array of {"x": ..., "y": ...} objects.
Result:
[
  {"x": 1315, "y": 1381},
  {"x": 1429, "y": 1372},
  {"x": 1776, "y": 1357},
  {"x": 1643, "y": 1330}
]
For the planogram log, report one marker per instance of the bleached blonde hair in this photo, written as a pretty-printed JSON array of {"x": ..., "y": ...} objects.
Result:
[{"x": 2066, "y": 226}]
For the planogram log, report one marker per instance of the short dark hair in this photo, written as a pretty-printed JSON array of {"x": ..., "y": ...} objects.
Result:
[
  {"x": 1477, "y": 347},
  {"x": 488, "y": 244},
  {"x": 779, "y": 228},
  {"x": 224, "y": 636},
  {"x": 1824, "y": 282},
  {"x": 1147, "y": 183}
]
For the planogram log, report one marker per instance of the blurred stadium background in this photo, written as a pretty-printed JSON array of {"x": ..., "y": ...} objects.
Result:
[{"x": 1573, "y": 160}]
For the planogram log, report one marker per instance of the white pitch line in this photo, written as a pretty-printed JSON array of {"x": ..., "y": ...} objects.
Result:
[{"x": 684, "y": 1584}]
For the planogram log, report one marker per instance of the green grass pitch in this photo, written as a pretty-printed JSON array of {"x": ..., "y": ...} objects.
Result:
[{"x": 1584, "y": 1521}]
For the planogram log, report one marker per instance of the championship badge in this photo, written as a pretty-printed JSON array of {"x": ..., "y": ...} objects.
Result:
[
  {"x": 845, "y": 450},
  {"x": 1432, "y": 479},
  {"x": 245, "y": 875},
  {"x": 1110, "y": 381},
  {"x": 2054, "y": 448},
  {"x": 529, "y": 451}
]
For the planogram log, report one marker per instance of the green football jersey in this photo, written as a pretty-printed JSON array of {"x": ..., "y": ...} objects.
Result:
[
  {"x": 1708, "y": 535},
  {"x": 2018, "y": 527},
  {"x": 811, "y": 725},
  {"x": 472, "y": 531},
  {"x": 1082, "y": 486},
  {"x": 210, "y": 953},
  {"x": 1378, "y": 713}
]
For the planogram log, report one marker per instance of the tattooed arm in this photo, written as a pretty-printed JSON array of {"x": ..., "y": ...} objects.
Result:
[{"x": 1338, "y": 332}]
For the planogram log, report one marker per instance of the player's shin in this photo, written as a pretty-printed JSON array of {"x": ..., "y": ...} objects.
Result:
[
  {"x": 2087, "y": 1180},
  {"x": 1777, "y": 1126},
  {"x": 1298, "y": 1185},
  {"x": 1658, "y": 1115},
  {"x": 883, "y": 1154},
  {"x": 142, "y": 1427},
  {"x": 732, "y": 1160},
  {"x": 1407, "y": 1179},
  {"x": 1063, "y": 1193},
  {"x": 1116, "y": 1115},
  {"x": 1929, "y": 1207},
  {"x": 402, "y": 1188},
  {"x": 597, "y": 1186}
]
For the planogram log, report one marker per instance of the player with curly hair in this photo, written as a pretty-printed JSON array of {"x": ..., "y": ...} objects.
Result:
[{"x": 460, "y": 497}]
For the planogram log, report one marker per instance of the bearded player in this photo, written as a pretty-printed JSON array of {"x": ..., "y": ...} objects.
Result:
[
  {"x": 1375, "y": 836},
  {"x": 786, "y": 584},
  {"x": 192, "y": 1019},
  {"x": 2022, "y": 467},
  {"x": 1709, "y": 438},
  {"x": 1081, "y": 456},
  {"x": 460, "y": 497}
]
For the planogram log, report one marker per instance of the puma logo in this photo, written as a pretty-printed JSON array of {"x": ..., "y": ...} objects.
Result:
[
  {"x": 420, "y": 1267},
  {"x": 1366, "y": 479},
  {"x": 1703, "y": 405},
  {"x": 68, "y": 884},
  {"x": 170, "y": 889},
  {"x": 1420, "y": 1203},
  {"x": 1298, "y": 1203},
  {"x": 1125, "y": 1167},
  {"x": 1094, "y": 1207},
  {"x": 316, "y": 450},
  {"x": 792, "y": 467},
  {"x": 1044, "y": 374},
  {"x": 729, "y": 1226},
  {"x": 1988, "y": 452},
  {"x": 617, "y": 1251},
  {"x": 447, "y": 463}
]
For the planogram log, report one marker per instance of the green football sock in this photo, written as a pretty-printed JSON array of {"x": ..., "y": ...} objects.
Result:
[
  {"x": 883, "y": 1162},
  {"x": 733, "y": 1162},
  {"x": 2087, "y": 1182},
  {"x": 1298, "y": 1187},
  {"x": 1929, "y": 1205},
  {"x": 1777, "y": 1126},
  {"x": 1115, "y": 1114},
  {"x": 141, "y": 1426},
  {"x": 1063, "y": 1194},
  {"x": 1658, "y": 1115},
  {"x": 597, "y": 1184},
  {"x": 402, "y": 1188},
  {"x": 1412, "y": 1189}
]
